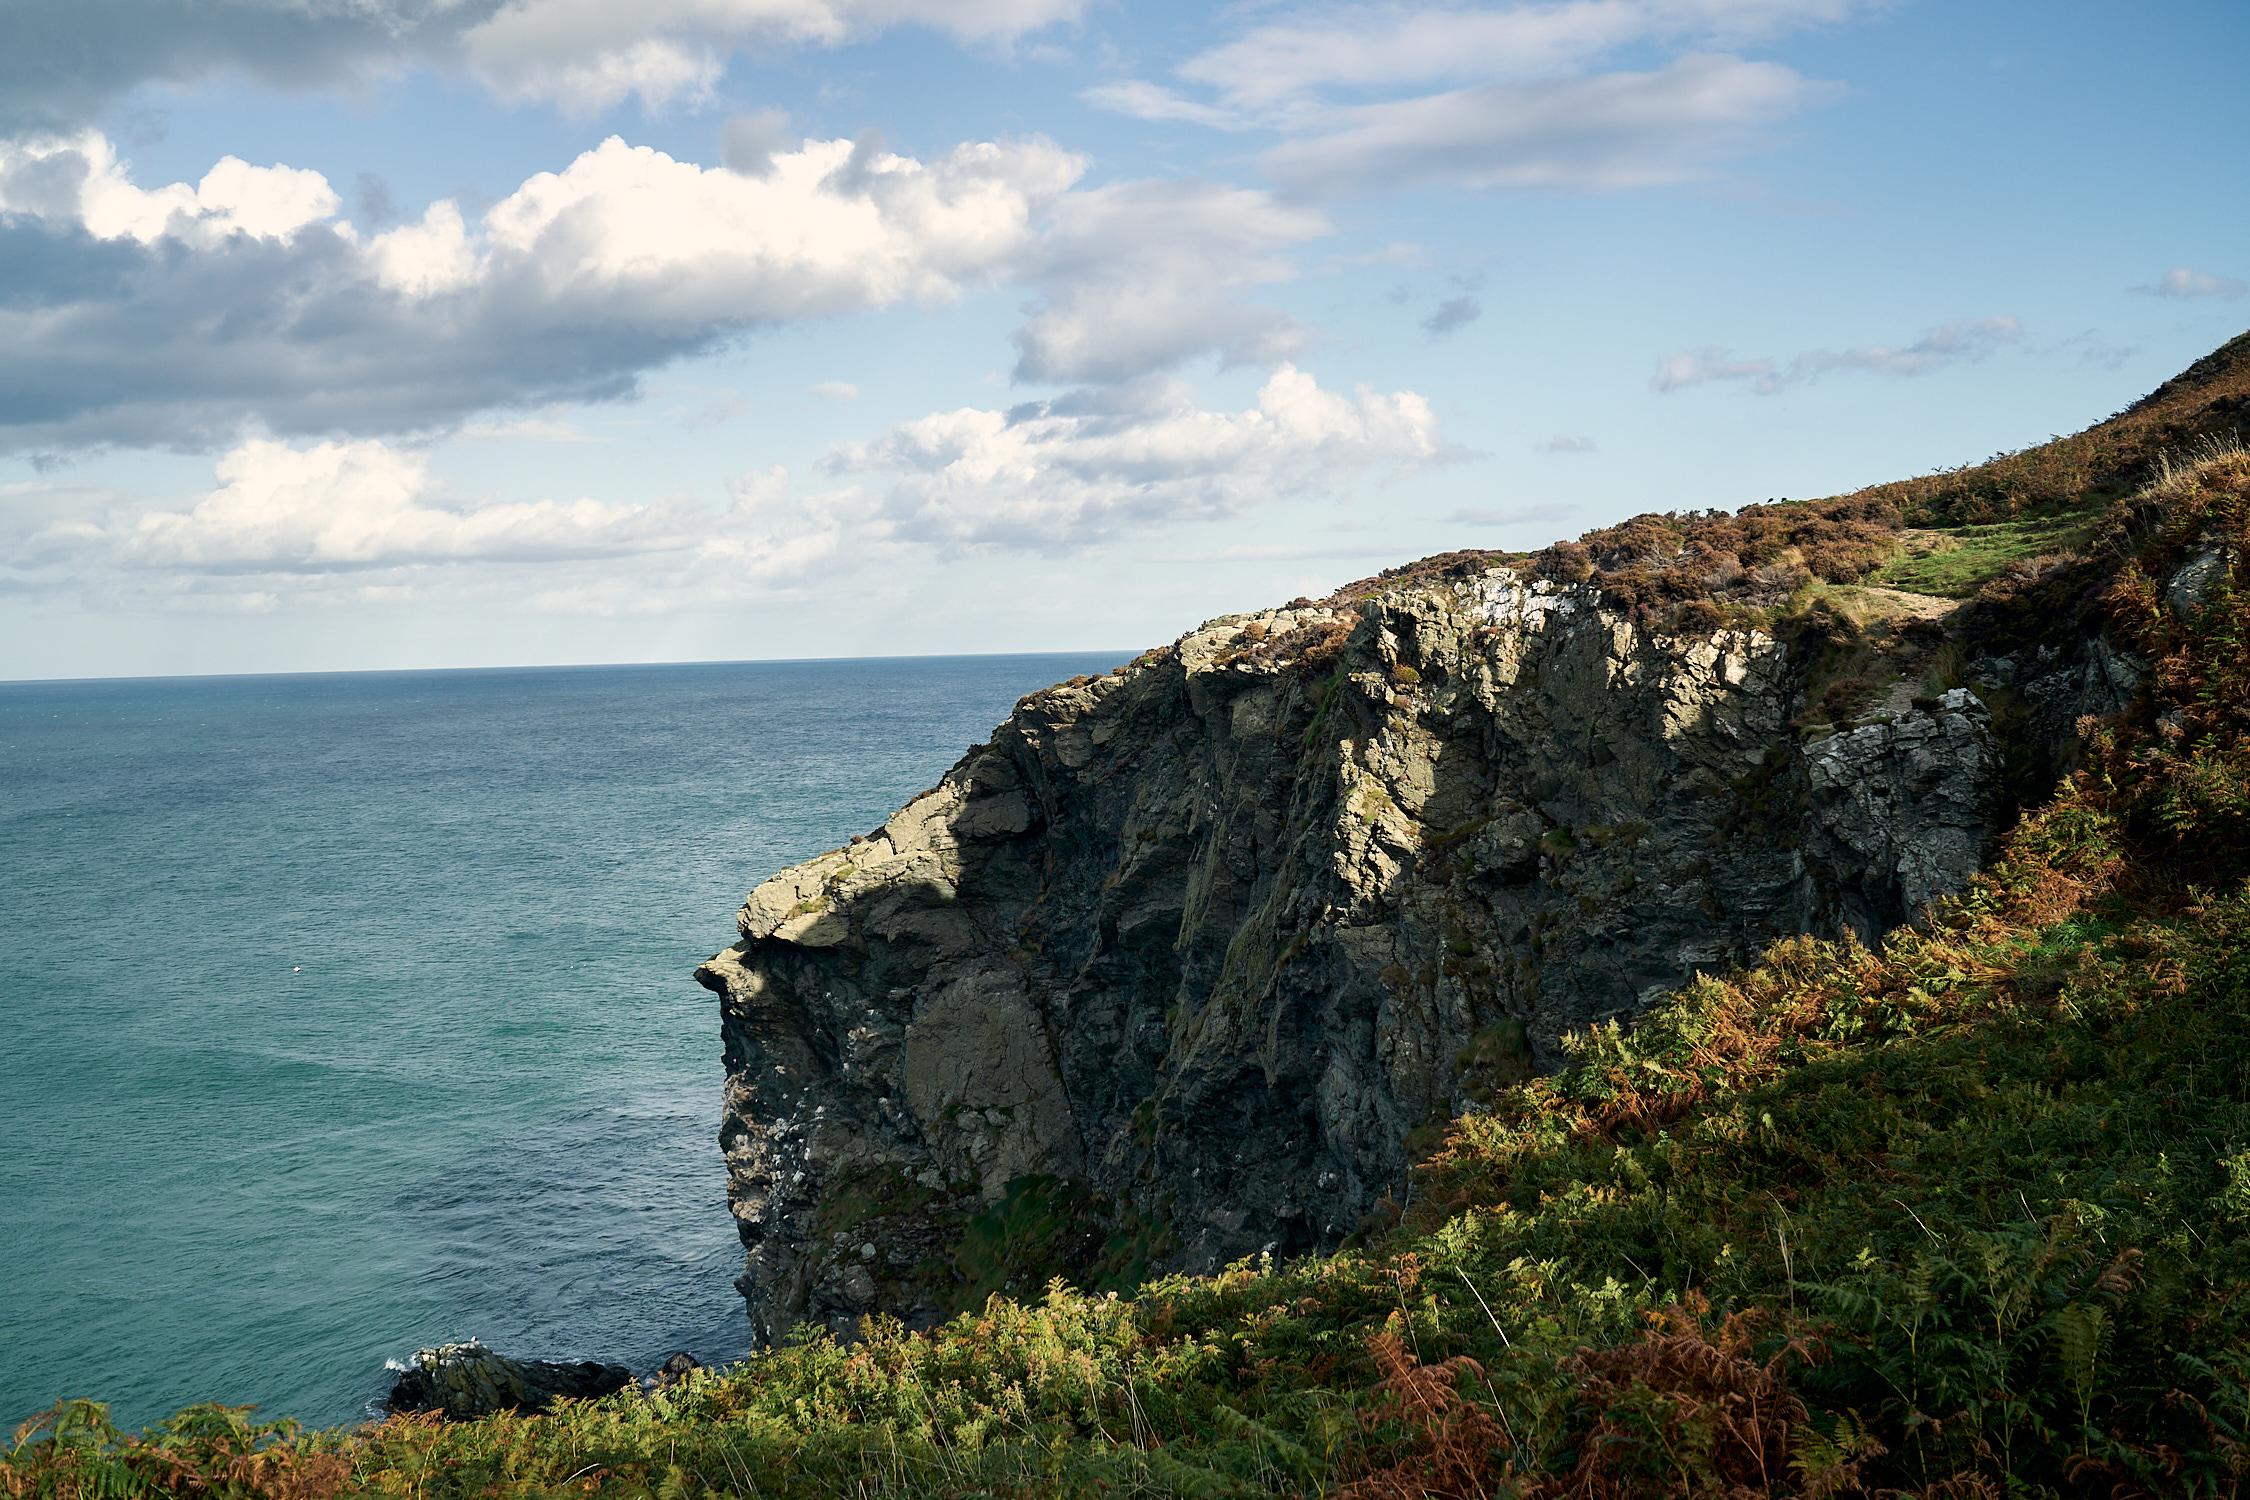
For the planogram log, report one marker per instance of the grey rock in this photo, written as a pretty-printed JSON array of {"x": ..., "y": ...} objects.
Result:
[
  {"x": 1215, "y": 934},
  {"x": 1901, "y": 810},
  {"x": 2192, "y": 582}
]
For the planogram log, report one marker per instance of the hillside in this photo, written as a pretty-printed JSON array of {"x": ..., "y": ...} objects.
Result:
[{"x": 1953, "y": 1208}]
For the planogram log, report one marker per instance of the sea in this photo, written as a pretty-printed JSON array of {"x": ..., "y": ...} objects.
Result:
[{"x": 350, "y": 1014}]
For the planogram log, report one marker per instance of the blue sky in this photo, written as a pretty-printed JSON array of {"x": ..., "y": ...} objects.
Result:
[{"x": 346, "y": 334}]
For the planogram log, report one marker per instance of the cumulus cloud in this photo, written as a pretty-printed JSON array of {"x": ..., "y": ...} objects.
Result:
[
  {"x": 1613, "y": 130},
  {"x": 1493, "y": 97},
  {"x": 1140, "y": 276},
  {"x": 79, "y": 180},
  {"x": 365, "y": 504},
  {"x": 176, "y": 314},
  {"x": 1562, "y": 444},
  {"x": 1964, "y": 342},
  {"x": 2186, "y": 283},
  {"x": 332, "y": 523},
  {"x": 837, "y": 390},
  {"x": 1056, "y": 475},
  {"x": 189, "y": 315},
  {"x": 351, "y": 519}
]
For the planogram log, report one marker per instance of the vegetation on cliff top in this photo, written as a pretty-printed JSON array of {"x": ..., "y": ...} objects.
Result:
[{"x": 1968, "y": 1216}]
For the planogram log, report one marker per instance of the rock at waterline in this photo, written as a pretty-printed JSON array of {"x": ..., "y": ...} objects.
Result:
[
  {"x": 674, "y": 1371},
  {"x": 468, "y": 1380}
]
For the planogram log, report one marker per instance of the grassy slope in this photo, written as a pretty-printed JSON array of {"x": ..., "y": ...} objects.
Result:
[{"x": 1967, "y": 1216}]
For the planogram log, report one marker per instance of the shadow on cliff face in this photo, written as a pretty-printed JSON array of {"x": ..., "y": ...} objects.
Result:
[
  {"x": 1211, "y": 938},
  {"x": 1184, "y": 963}
]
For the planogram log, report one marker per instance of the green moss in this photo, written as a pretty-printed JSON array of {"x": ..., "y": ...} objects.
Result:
[
  {"x": 881, "y": 1193},
  {"x": 1046, "y": 1226}
]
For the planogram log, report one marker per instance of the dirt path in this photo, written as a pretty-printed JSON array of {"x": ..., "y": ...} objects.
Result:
[{"x": 1920, "y": 606}]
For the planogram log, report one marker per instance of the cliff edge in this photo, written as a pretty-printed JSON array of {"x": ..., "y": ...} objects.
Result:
[{"x": 1173, "y": 970}]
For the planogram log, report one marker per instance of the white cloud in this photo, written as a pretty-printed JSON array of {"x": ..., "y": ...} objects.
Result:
[
  {"x": 2186, "y": 283},
  {"x": 1614, "y": 130},
  {"x": 590, "y": 54},
  {"x": 235, "y": 300},
  {"x": 79, "y": 178},
  {"x": 234, "y": 306},
  {"x": 1964, "y": 342},
  {"x": 351, "y": 521},
  {"x": 1493, "y": 97},
  {"x": 837, "y": 390},
  {"x": 364, "y": 504},
  {"x": 1142, "y": 275},
  {"x": 1561, "y": 444},
  {"x": 1073, "y": 472},
  {"x": 838, "y": 226}
]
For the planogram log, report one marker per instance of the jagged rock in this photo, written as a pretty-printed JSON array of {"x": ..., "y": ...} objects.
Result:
[
  {"x": 1908, "y": 804},
  {"x": 1215, "y": 934},
  {"x": 469, "y": 1380},
  {"x": 2061, "y": 682}
]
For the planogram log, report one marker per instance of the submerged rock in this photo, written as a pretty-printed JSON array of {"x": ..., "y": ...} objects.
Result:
[
  {"x": 1203, "y": 942},
  {"x": 469, "y": 1380}
]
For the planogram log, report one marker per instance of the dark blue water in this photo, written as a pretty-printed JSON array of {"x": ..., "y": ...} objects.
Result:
[{"x": 347, "y": 1014}]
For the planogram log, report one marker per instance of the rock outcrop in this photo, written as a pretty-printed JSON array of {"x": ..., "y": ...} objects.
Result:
[
  {"x": 1207, "y": 939},
  {"x": 462, "y": 1381}
]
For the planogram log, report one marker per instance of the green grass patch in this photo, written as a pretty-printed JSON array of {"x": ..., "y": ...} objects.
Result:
[{"x": 1954, "y": 564}]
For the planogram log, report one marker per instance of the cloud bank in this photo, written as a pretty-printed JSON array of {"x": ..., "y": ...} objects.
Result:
[
  {"x": 1505, "y": 97},
  {"x": 1058, "y": 475},
  {"x": 336, "y": 520},
  {"x": 193, "y": 315},
  {"x": 61, "y": 63}
]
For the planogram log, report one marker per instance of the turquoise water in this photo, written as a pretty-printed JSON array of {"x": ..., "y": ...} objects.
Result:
[{"x": 347, "y": 1014}]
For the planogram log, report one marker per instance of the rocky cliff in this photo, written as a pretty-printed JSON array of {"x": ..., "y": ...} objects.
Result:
[{"x": 1172, "y": 970}]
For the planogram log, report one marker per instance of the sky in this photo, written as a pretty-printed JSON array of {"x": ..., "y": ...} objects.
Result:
[{"x": 375, "y": 334}]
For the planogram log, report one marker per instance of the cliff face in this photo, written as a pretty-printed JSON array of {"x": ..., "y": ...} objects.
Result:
[{"x": 1212, "y": 936}]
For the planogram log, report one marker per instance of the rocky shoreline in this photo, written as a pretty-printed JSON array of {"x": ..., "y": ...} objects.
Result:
[{"x": 463, "y": 1381}]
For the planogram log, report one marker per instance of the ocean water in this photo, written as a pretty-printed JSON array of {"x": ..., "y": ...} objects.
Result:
[{"x": 347, "y": 1014}]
